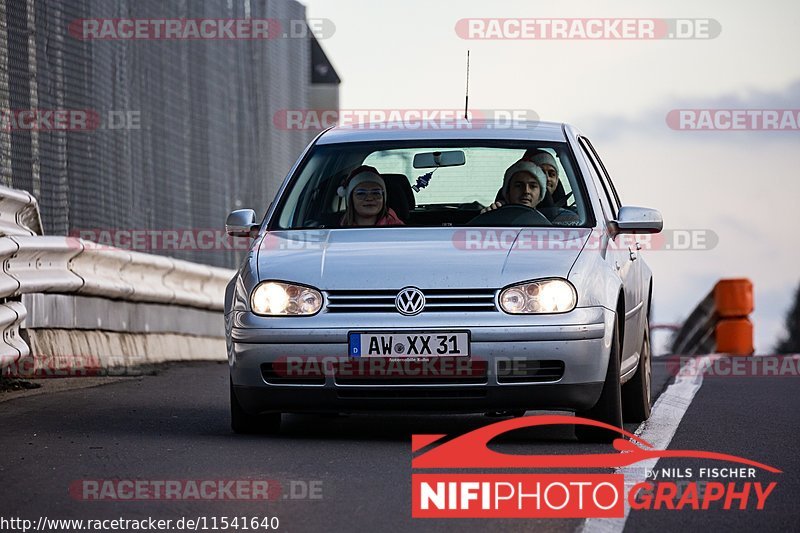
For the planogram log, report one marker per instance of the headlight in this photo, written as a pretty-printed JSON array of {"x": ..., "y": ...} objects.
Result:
[
  {"x": 545, "y": 296},
  {"x": 284, "y": 299}
]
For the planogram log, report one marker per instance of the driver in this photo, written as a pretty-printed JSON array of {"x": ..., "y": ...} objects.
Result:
[{"x": 524, "y": 183}]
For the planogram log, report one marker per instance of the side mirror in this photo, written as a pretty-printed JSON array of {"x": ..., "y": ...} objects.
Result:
[
  {"x": 632, "y": 219},
  {"x": 241, "y": 223}
]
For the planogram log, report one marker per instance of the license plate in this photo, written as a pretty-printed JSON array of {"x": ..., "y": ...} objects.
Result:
[{"x": 409, "y": 344}]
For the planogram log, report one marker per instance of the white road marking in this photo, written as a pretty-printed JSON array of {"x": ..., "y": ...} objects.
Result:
[{"x": 658, "y": 430}]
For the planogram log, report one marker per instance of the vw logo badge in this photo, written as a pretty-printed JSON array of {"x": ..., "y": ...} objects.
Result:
[{"x": 410, "y": 301}]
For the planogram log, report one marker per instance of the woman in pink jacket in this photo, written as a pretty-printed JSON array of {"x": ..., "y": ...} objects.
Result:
[{"x": 365, "y": 191}]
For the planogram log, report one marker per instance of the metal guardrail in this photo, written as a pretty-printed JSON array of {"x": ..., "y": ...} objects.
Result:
[
  {"x": 32, "y": 264},
  {"x": 12, "y": 346},
  {"x": 68, "y": 265},
  {"x": 19, "y": 213},
  {"x": 40, "y": 264},
  {"x": 720, "y": 322},
  {"x": 697, "y": 333}
]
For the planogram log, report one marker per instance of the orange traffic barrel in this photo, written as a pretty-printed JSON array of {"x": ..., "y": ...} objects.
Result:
[
  {"x": 734, "y": 297},
  {"x": 734, "y": 336}
]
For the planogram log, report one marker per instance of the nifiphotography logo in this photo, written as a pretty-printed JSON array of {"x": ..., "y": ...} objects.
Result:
[{"x": 501, "y": 494}]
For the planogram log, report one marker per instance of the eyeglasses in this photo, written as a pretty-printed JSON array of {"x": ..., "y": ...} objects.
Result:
[{"x": 362, "y": 194}]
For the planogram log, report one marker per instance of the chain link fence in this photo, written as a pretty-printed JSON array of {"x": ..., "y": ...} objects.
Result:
[{"x": 185, "y": 128}]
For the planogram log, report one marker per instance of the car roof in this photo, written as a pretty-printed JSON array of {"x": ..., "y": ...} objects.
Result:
[{"x": 451, "y": 130}]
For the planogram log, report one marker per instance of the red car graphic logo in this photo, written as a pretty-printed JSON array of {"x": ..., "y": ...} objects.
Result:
[{"x": 470, "y": 450}]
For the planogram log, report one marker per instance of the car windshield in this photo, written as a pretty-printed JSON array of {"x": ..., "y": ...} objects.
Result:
[{"x": 436, "y": 196}]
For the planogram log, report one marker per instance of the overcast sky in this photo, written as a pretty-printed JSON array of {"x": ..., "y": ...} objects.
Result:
[{"x": 743, "y": 186}]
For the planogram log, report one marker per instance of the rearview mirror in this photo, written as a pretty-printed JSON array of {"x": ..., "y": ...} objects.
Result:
[
  {"x": 632, "y": 219},
  {"x": 453, "y": 158},
  {"x": 241, "y": 223}
]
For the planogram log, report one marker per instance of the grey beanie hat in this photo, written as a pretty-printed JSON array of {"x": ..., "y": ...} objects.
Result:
[{"x": 531, "y": 168}]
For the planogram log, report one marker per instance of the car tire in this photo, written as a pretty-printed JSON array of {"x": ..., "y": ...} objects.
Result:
[
  {"x": 245, "y": 423},
  {"x": 608, "y": 408},
  {"x": 636, "y": 392}
]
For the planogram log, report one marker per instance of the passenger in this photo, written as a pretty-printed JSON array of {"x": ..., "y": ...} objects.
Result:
[
  {"x": 547, "y": 163},
  {"x": 554, "y": 202},
  {"x": 524, "y": 183},
  {"x": 365, "y": 192}
]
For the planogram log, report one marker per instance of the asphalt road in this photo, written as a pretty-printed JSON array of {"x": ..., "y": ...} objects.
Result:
[
  {"x": 175, "y": 426},
  {"x": 753, "y": 417}
]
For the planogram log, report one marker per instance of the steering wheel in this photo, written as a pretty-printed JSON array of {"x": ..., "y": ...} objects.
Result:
[{"x": 511, "y": 215}]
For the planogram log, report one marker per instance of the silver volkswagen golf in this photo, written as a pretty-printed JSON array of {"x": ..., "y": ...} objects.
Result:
[{"x": 470, "y": 269}]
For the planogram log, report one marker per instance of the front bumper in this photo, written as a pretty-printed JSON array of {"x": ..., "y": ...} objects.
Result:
[{"x": 580, "y": 340}]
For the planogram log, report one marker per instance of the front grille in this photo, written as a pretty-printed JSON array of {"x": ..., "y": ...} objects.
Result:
[
  {"x": 436, "y": 300},
  {"x": 529, "y": 371}
]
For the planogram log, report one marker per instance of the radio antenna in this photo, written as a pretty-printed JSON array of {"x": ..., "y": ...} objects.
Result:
[{"x": 466, "y": 98}]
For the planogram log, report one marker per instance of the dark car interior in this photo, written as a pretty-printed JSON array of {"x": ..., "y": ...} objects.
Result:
[{"x": 325, "y": 208}]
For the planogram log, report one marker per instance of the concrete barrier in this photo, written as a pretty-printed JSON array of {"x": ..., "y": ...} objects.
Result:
[{"x": 68, "y": 353}]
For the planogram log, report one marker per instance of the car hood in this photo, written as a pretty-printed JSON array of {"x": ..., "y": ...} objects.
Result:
[{"x": 392, "y": 258}]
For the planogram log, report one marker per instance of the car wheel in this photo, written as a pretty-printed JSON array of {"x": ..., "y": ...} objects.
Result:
[
  {"x": 608, "y": 408},
  {"x": 243, "y": 422},
  {"x": 636, "y": 392}
]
